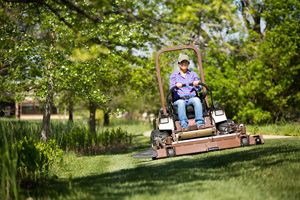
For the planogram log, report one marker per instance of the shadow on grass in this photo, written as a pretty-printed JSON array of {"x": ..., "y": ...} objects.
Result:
[{"x": 154, "y": 177}]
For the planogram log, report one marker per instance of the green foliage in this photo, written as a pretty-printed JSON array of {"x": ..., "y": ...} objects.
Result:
[
  {"x": 8, "y": 168},
  {"x": 79, "y": 139},
  {"x": 201, "y": 21},
  {"x": 35, "y": 158},
  {"x": 249, "y": 113},
  {"x": 250, "y": 51},
  {"x": 68, "y": 136},
  {"x": 114, "y": 137},
  {"x": 25, "y": 160},
  {"x": 66, "y": 49},
  {"x": 257, "y": 80},
  {"x": 272, "y": 74}
]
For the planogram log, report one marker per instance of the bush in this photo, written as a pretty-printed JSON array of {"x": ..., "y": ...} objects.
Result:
[
  {"x": 8, "y": 169},
  {"x": 69, "y": 136},
  {"x": 114, "y": 137},
  {"x": 252, "y": 115},
  {"x": 80, "y": 140},
  {"x": 35, "y": 158}
]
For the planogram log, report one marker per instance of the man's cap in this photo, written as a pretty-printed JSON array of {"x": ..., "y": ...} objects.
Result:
[{"x": 183, "y": 57}]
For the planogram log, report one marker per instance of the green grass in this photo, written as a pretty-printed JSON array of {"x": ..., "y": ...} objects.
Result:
[
  {"x": 269, "y": 171},
  {"x": 292, "y": 129}
]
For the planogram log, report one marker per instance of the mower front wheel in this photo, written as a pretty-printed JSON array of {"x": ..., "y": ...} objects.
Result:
[
  {"x": 171, "y": 152},
  {"x": 244, "y": 141}
]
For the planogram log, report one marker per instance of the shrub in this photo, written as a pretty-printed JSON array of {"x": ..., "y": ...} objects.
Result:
[
  {"x": 8, "y": 169},
  {"x": 80, "y": 140},
  {"x": 35, "y": 158},
  {"x": 69, "y": 136},
  {"x": 114, "y": 137},
  {"x": 252, "y": 115}
]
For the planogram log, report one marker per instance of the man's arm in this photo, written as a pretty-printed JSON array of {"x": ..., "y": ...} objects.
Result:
[{"x": 196, "y": 80}]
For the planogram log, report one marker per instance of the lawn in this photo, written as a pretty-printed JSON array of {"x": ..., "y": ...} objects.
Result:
[{"x": 269, "y": 171}]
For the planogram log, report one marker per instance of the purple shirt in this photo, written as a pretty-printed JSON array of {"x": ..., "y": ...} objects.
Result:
[{"x": 186, "y": 91}]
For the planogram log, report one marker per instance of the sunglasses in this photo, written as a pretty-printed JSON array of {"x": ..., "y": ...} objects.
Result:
[{"x": 186, "y": 63}]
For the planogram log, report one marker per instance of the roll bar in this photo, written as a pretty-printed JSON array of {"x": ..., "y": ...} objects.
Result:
[{"x": 176, "y": 48}]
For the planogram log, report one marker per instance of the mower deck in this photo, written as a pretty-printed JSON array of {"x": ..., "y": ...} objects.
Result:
[{"x": 206, "y": 144}]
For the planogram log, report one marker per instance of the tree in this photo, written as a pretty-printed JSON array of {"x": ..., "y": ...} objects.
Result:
[
  {"x": 63, "y": 47},
  {"x": 87, "y": 23},
  {"x": 251, "y": 11},
  {"x": 263, "y": 70},
  {"x": 277, "y": 63}
]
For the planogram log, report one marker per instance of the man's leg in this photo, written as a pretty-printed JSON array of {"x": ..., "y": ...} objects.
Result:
[
  {"x": 198, "y": 110},
  {"x": 181, "y": 105}
]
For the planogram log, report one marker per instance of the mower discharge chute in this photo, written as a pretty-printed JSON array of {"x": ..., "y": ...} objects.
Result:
[{"x": 168, "y": 139}]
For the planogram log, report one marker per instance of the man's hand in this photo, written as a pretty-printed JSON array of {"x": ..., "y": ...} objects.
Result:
[
  {"x": 196, "y": 83},
  {"x": 178, "y": 85}
]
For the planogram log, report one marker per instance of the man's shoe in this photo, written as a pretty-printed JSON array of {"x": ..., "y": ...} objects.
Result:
[
  {"x": 201, "y": 126},
  {"x": 184, "y": 129}
]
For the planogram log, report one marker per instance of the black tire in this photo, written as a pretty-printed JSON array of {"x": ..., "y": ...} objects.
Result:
[
  {"x": 171, "y": 152},
  {"x": 154, "y": 124},
  {"x": 225, "y": 127},
  {"x": 153, "y": 135},
  {"x": 156, "y": 134},
  {"x": 257, "y": 140},
  {"x": 244, "y": 141}
]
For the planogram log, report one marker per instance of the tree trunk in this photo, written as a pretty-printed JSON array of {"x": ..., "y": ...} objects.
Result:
[
  {"x": 106, "y": 118},
  {"x": 92, "y": 120},
  {"x": 256, "y": 26},
  {"x": 70, "y": 109},
  {"x": 18, "y": 111},
  {"x": 47, "y": 114},
  {"x": 247, "y": 5}
]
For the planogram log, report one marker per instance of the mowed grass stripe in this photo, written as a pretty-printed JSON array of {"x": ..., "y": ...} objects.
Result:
[{"x": 75, "y": 166}]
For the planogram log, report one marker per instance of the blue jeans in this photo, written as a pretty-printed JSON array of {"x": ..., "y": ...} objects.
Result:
[{"x": 181, "y": 105}]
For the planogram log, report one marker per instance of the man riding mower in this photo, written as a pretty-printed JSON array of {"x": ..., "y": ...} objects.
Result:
[{"x": 186, "y": 124}]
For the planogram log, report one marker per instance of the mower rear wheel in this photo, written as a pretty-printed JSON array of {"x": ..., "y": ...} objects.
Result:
[
  {"x": 157, "y": 135},
  {"x": 225, "y": 127}
]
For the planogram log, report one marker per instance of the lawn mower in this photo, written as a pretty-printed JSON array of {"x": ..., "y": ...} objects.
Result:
[{"x": 168, "y": 139}]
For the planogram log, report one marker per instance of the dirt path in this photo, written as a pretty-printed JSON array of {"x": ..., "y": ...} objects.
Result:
[
  {"x": 147, "y": 133},
  {"x": 276, "y": 136}
]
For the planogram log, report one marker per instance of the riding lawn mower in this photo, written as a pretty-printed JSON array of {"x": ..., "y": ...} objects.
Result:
[{"x": 168, "y": 139}]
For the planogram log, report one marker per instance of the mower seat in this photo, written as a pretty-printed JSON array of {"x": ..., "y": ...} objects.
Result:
[{"x": 190, "y": 112}]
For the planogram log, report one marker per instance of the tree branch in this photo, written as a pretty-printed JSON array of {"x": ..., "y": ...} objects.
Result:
[
  {"x": 72, "y": 6},
  {"x": 59, "y": 16},
  {"x": 25, "y": 1}
]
